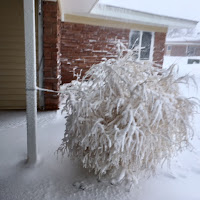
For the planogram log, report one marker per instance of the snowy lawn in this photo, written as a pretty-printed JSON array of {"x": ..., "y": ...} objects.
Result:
[{"x": 53, "y": 179}]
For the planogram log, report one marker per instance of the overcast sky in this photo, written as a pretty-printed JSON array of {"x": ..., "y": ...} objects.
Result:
[{"x": 187, "y": 9}]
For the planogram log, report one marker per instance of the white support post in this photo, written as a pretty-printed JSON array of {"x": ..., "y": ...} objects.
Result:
[{"x": 31, "y": 96}]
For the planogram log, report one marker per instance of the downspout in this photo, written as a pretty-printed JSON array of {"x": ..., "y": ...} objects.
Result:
[
  {"x": 31, "y": 95},
  {"x": 40, "y": 55}
]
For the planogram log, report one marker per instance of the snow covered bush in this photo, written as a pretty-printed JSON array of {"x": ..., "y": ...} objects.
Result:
[{"x": 124, "y": 118}]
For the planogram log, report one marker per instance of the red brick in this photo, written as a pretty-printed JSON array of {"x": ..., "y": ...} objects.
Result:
[
  {"x": 48, "y": 73},
  {"x": 159, "y": 45},
  {"x": 75, "y": 41},
  {"x": 80, "y": 41},
  {"x": 50, "y": 63},
  {"x": 49, "y": 6},
  {"x": 51, "y": 80},
  {"x": 51, "y": 41}
]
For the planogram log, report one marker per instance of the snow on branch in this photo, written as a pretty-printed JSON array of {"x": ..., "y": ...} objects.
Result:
[{"x": 125, "y": 118}]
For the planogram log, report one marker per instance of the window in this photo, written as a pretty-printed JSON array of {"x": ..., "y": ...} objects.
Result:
[
  {"x": 141, "y": 43},
  {"x": 169, "y": 48},
  {"x": 193, "y": 51},
  {"x": 193, "y": 61}
]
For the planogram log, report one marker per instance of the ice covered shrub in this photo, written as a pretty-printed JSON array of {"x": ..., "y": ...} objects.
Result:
[{"x": 127, "y": 118}]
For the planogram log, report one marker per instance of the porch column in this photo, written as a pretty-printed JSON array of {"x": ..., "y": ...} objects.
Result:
[{"x": 31, "y": 97}]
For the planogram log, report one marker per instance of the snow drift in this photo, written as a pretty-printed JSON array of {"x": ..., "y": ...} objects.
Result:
[{"x": 125, "y": 118}]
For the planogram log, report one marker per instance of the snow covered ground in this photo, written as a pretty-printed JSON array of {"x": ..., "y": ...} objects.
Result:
[{"x": 52, "y": 178}]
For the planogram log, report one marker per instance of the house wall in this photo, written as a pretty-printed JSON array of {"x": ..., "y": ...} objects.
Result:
[
  {"x": 12, "y": 59},
  {"x": 84, "y": 45},
  {"x": 159, "y": 48},
  {"x": 51, "y": 42},
  {"x": 12, "y": 54},
  {"x": 182, "y": 49},
  {"x": 81, "y": 46}
]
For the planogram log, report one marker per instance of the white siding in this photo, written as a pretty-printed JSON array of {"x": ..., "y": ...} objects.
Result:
[{"x": 12, "y": 60}]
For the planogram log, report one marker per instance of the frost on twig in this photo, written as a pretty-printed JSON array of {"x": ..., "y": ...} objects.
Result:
[{"x": 125, "y": 118}]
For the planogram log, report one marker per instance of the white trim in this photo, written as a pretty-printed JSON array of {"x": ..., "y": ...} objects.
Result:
[
  {"x": 116, "y": 23},
  {"x": 152, "y": 46},
  {"x": 77, "y": 7},
  {"x": 141, "y": 17},
  {"x": 30, "y": 63},
  {"x": 182, "y": 43},
  {"x": 94, "y": 10},
  {"x": 140, "y": 43}
]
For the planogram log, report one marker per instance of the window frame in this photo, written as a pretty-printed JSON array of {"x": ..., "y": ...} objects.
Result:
[{"x": 140, "y": 43}]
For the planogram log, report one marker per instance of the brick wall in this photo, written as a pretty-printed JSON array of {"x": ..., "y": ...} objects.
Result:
[
  {"x": 69, "y": 45},
  {"x": 159, "y": 48},
  {"x": 84, "y": 45},
  {"x": 52, "y": 38}
]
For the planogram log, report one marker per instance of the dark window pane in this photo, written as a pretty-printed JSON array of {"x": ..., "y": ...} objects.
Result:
[
  {"x": 134, "y": 42},
  {"x": 134, "y": 39},
  {"x": 145, "y": 46},
  {"x": 169, "y": 48},
  {"x": 191, "y": 51},
  {"x": 193, "y": 61}
]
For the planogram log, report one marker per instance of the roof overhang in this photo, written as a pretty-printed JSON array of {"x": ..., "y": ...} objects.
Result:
[
  {"x": 93, "y": 13},
  {"x": 141, "y": 17},
  {"x": 111, "y": 22},
  {"x": 76, "y": 7},
  {"x": 183, "y": 41}
]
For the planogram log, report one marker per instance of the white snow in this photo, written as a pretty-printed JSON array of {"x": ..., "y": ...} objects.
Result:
[
  {"x": 59, "y": 179},
  {"x": 184, "y": 68},
  {"x": 184, "y": 35},
  {"x": 175, "y": 8}
]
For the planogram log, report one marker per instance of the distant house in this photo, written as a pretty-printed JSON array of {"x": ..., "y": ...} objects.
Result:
[
  {"x": 186, "y": 47},
  {"x": 72, "y": 33}
]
